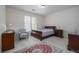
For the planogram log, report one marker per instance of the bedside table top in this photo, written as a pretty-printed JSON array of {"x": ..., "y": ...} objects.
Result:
[
  {"x": 60, "y": 29},
  {"x": 74, "y": 34}
]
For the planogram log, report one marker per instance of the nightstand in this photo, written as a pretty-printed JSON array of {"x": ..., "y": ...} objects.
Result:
[{"x": 59, "y": 33}]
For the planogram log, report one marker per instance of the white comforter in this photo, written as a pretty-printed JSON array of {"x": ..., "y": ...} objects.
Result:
[{"x": 46, "y": 32}]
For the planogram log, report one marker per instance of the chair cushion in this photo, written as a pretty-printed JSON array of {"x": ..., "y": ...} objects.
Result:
[{"x": 23, "y": 34}]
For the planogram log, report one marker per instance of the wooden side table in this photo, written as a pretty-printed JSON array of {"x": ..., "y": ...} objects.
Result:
[{"x": 59, "y": 33}]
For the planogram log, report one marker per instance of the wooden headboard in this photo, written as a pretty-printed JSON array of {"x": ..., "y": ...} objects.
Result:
[{"x": 51, "y": 27}]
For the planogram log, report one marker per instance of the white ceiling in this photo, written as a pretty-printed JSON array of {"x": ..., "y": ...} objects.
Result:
[{"x": 43, "y": 11}]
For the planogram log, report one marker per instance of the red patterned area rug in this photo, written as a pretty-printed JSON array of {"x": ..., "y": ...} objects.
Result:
[{"x": 41, "y": 48}]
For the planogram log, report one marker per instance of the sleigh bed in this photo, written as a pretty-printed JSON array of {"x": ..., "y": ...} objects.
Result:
[{"x": 44, "y": 33}]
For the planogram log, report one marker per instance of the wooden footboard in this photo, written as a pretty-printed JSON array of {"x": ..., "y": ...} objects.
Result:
[{"x": 37, "y": 34}]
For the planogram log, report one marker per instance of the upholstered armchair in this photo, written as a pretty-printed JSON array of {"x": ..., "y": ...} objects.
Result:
[{"x": 23, "y": 34}]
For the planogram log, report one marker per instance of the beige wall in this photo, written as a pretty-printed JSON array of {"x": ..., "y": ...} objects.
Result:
[
  {"x": 66, "y": 19},
  {"x": 2, "y": 22},
  {"x": 16, "y": 18}
]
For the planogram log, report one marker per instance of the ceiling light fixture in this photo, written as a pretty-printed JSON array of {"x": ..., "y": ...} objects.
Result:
[{"x": 42, "y": 6}]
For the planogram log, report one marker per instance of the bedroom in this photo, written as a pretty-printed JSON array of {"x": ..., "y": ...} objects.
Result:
[{"x": 64, "y": 17}]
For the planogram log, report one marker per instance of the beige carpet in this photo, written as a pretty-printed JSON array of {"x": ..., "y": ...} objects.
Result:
[{"x": 54, "y": 41}]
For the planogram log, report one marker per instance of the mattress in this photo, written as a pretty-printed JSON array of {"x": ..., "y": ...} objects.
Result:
[{"x": 46, "y": 32}]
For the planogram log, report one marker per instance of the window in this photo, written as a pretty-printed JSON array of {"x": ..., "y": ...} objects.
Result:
[
  {"x": 27, "y": 23},
  {"x": 34, "y": 23},
  {"x": 30, "y": 23}
]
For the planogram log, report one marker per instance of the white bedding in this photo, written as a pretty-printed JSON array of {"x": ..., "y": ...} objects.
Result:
[{"x": 46, "y": 32}]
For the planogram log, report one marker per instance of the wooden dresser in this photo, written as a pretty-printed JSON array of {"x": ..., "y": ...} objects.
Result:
[
  {"x": 7, "y": 40},
  {"x": 73, "y": 43}
]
